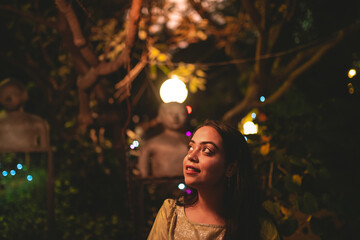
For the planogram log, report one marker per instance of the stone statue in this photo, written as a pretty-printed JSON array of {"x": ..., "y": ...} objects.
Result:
[
  {"x": 20, "y": 131},
  {"x": 165, "y": 152}
]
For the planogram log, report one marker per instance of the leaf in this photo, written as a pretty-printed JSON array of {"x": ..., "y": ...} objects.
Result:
[
  {"x": 63, "y": 71},
  {"x": 290, "y": 185},
  {"x": 200, "y": 73},
  {"x": 162, "y": 57},
  {"x": 265, "y": 149},
  {"x": 308, "y": 203},
  {"x": 196, "y": 83},
  {"x": 154, "y": 52},
  {"x": 153, "y": 71},
  {"x": 297, "y": 179},
  {"x": 288, "y": 227},
  {"x": 272, "y": 208}
]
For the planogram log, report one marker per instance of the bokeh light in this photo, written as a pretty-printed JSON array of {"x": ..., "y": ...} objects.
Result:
[
  {"x": 4, "y": 173},
  {"x": 135, "y": 143},
  {"x": 188, "y": 191},
  {"x": 181, "y": 186},
  {"x": 189, "y": 109},
  {"x": 12, "y": 172},
  {"x": 250, "y": 128},
  {"x": 19, "y": 166},
  {"x": 253, "y": 115},
  {"x": 173, "y": 90},
  {"x": 188, "y": 133},
  {"x": 262, "y": 99},
  {"x": 29, "y": 178},
  {"x": 351, "y": 73}
]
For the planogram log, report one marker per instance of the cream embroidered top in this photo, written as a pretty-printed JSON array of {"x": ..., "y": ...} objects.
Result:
[{"x": 172, "y": 224}]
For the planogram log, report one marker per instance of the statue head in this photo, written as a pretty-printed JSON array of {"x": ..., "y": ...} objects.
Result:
[
  {"x": 13, "y": 95},
  {"x": 172, "y": 115}
]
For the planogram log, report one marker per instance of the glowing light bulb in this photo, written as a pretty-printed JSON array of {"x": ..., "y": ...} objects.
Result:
[
  {"x": 250, "y": 128},
  {"x": 253, "y": 115},
  {"x": 181, "y": 186},
  {"x": 188, "y": 191},
  {"x": 262, "y": 99},
  {"x": 29, "y": 178},
  {"x": 188, "y": 133},
  {"x": 4, "y": 173},
  {"x": 12, "y": 172},
  {"x": 132, "y": 146},
  {"x": 173, "y": 90},
  {"x": 351, "y": 73},
  {"x": 19, "y": 166},
  {"x": 135, "y": 143}
]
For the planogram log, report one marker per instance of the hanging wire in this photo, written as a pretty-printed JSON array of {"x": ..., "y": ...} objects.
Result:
[
  {"x": 221, "y": 63},
  {"x": 88, "y": 14}
]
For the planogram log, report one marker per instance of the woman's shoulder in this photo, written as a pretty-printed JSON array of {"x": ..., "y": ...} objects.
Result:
[
  {"x": 169, "y": 203},
  {"x": 168, "y": 207}
]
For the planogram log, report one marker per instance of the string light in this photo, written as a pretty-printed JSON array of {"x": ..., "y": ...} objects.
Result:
[
  {"x": 243, "y": 60},
  {"x": 135, "y": 143},
  {"x": 12, "y": 172},
  {"x": 181, "y": 186},
  {"x": 19, "y": 166},
  {"x": 262, "y": 99},
  {"x": 188, "y": 133},
  {"x": 4, "y": 173},
  {"x": 29, "y": 178},
  {"x": 188, "y": 191},
  {"x": 253, "y": 115}
]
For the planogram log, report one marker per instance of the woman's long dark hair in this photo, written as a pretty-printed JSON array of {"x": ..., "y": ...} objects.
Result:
[{"x": 241, "y": 202}]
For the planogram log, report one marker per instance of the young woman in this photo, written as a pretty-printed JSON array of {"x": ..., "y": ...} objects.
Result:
[{"x": 221, "y": 201}]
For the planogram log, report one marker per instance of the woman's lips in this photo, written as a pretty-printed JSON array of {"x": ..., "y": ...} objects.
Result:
[{"x": 191, "y": 169}]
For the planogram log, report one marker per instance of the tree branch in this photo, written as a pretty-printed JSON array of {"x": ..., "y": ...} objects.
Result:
[
  {"x": 316, "y": 57},
  {"x": 254, "y": 15},
  {"x": 301, "y": 69},
  {"x": 277, "y": 28},
  {"x": 123, "y": 86},
  {"x": 123, "y": 60},
  {"x": 79, "y": 41},
  {"x": 251, "y": 98}
]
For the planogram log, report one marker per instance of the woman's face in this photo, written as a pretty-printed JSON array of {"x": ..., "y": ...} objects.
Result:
[{"x": 204, "y": 166}]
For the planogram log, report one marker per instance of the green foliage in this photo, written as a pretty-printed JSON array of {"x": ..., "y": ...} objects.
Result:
[
  {"x": 22, "y": 205},
  {"x": 288, "y": 226},
  {"x": 309, "y": 160}
]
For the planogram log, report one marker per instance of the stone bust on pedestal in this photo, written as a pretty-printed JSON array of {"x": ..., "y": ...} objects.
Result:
[
  {"x": 162, "y": 155},
  {"x": 20, "y": 131}
]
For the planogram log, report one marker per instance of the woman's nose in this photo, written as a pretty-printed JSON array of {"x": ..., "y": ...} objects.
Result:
[{"x": 192, "y": 156}]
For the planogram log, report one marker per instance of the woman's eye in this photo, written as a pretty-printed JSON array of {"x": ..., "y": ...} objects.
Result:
[{"x": 207, "y": 150}]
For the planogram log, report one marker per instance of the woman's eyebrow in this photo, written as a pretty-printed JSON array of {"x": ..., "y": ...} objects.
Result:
[{"x": 206, "y": 142}]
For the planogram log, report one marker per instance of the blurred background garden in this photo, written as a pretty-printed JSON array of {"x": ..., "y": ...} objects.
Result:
[{"x": 286, "y": 73}]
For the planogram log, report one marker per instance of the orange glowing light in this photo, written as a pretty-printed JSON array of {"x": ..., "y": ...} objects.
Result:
[{"x": 189, "y": 109}]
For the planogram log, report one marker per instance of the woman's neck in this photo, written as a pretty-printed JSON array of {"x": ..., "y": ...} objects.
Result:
[{"x": 209, "y": 208}]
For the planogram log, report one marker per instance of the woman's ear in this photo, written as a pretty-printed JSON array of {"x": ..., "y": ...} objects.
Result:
[{"x": 231, "y": 169}]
